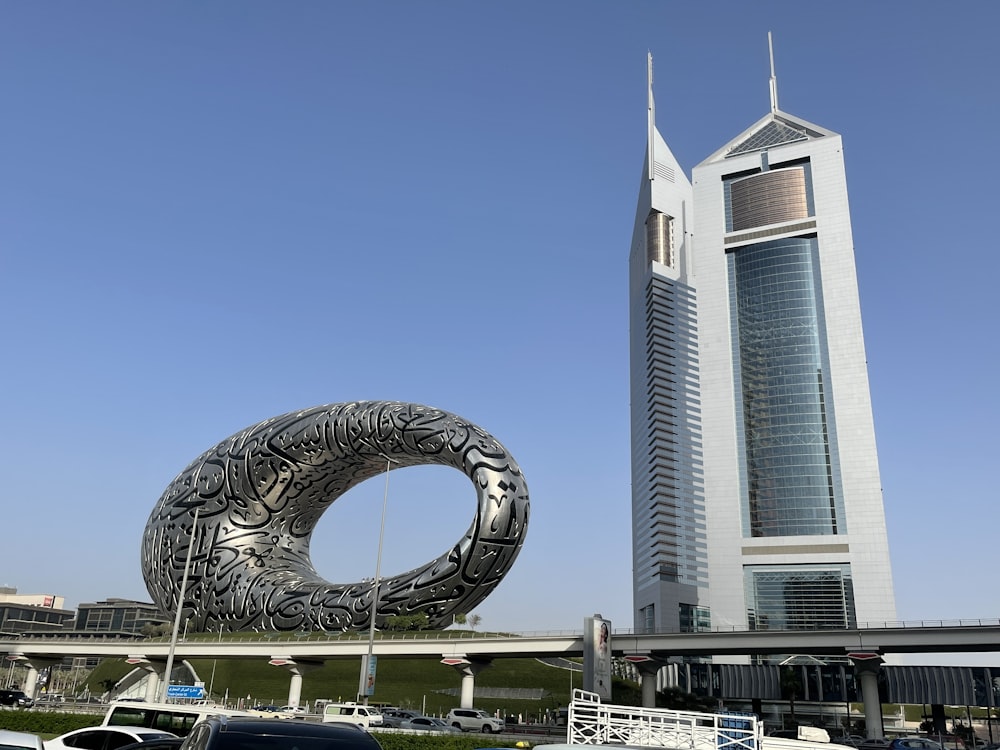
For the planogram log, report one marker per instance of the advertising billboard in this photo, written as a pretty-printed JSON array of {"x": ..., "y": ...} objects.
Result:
[{"x": 597, "y": 656}]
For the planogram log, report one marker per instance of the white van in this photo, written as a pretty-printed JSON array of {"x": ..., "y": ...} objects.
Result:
[
  {"x": 170, "y": 717},
  {"x": 353, "y": 713}
]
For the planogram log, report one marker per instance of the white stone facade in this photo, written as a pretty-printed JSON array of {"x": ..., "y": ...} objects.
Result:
[{"x": 714, "y": 457}]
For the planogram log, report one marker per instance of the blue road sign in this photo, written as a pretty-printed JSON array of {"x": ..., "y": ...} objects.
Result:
[{"x": 185, "y": 691}]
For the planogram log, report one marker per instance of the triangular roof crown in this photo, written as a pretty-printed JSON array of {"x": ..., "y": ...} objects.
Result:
[{"x": 776, "y": 128}]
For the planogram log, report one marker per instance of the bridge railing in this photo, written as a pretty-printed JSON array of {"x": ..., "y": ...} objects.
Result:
[{"x": 423, "y": 635}]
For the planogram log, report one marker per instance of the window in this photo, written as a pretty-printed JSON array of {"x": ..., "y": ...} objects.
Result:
[
  {"x": 799, "y": 597},
  {"x": 647, "y": 616},
  {"x": 660, "y": 238},
  {"x": 783, "y": 395},
  {"x": 88, "y": 740},
  {"x": 694, "y": 619}
]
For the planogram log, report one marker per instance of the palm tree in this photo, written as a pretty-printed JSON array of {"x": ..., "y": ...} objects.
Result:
[{"x": 791, "y": 687}]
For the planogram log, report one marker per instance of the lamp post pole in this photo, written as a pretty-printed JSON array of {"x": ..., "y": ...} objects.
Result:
[
  {"x": 211, "y": 682},
  {"x": 180, "y": 607},
  {"x": 366, "y": 666}
]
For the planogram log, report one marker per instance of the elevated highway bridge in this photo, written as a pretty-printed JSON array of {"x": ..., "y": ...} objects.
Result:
[
  {"x": 967, "y": 636},
  {"x": 470, "y": 652}
]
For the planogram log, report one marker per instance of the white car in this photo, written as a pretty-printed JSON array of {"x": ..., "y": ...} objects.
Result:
[
  {"x": 474, "y": 720},
  {"x": 429, "y": 724},
  {"x": 105, "y": 738},
  {"x": 291, "y": 710},
  {"x": 20, "y": 740}
]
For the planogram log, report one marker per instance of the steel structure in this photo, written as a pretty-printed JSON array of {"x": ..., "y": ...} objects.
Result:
[{"x": 261, "y": 492}]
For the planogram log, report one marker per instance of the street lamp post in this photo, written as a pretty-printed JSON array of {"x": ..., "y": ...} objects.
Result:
[
  {"x": 366, "y": 665},
  {"x": 180, "y": 607},
  {"x": 211, "y": 682}
]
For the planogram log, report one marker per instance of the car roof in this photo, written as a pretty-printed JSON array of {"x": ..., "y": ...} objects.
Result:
[
  {"x": 19, "y": 739},
  {"x": 157, "y": 743},
  {"x": 284, "y": 728},
  {"x": 125, "y": 729}
]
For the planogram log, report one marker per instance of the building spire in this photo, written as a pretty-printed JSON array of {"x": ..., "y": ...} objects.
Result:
[
  {"x": 774, "y": 80},
  {"x": 650, "y": 115}
]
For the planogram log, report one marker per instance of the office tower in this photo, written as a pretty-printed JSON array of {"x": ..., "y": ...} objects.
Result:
[
  {"x": 670, "y": 556},
  {"x": 756, "y": 497}
]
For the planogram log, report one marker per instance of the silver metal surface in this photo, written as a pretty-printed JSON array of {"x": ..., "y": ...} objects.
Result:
[{"x": 262, "y": 491}]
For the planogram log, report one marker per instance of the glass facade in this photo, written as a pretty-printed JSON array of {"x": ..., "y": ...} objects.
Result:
[
  {"x": 788, "y": 475},
  {"x": 669, "y": 524},
  {"x": 773, "y": 134},
  {"x": 770, "y": 197},
  {"x": 17, "y": 619},
  {"x": 117, "y": 615},
  {"x": 660, "y": 238},
  {"x": 799, "y": 597},
  {"x": 647, "y": 619},
  {"x": 694, "y": 619}
]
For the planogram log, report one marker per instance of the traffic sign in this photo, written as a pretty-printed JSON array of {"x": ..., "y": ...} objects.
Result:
[{"x": 185, "y": 691}]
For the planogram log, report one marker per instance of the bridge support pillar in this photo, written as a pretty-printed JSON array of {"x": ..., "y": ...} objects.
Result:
[
  {"x": 34, "y": 665},
  {"x": 649, "y": 668},
  {"x": 468, "y": 668},
  {"x": 153, "y": 678},
  {"x": 297, "y": 667},
  {"x": 866, "y": 668},
  {"x": 154, "y": 669}
]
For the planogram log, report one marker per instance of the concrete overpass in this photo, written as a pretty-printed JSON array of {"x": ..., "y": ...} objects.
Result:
[
  {"x": 982, "y": 637},
  {"x": 469, "y": 653}
]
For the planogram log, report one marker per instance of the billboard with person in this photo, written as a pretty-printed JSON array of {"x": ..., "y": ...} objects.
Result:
[{"x": 597, "y": 656}]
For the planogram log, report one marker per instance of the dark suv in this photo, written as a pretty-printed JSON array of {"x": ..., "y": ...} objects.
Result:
[
  {"x": 15, "y": 699},
  {"x": 251, "y": 733}
]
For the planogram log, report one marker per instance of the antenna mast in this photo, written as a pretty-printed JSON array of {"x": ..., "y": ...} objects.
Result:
[
  {"x": 650, "y": 115},
  {"x": 774, "y": 80}
]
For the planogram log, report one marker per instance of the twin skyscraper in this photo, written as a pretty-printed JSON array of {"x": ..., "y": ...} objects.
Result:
[{"x": 756, "y": 499}]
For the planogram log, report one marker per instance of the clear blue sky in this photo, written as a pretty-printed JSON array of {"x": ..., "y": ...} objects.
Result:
[{"x": 214, "y": 213}]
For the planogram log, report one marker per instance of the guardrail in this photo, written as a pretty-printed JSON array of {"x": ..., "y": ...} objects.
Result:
[{"x": 424, "y": 635}]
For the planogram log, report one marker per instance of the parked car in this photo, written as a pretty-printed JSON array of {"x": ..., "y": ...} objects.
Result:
[
  {"x": 239, "y": 733},
  {"x": 429, "y": 724},
  {"x": 15, "y": 699},
  {"x": 393, "y": 717},
  {"x": 105, "y": 738},
  {"x": 297, "y": 710},
  {"x": 474, "y": 720},
  {"x": 914, "y": 743},
  {"x": 947, "y": 741},
  {"x": 20, "y": 741}
]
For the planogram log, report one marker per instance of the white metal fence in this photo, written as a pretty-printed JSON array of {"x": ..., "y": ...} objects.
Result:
[{"x": 591, "y": 722}]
